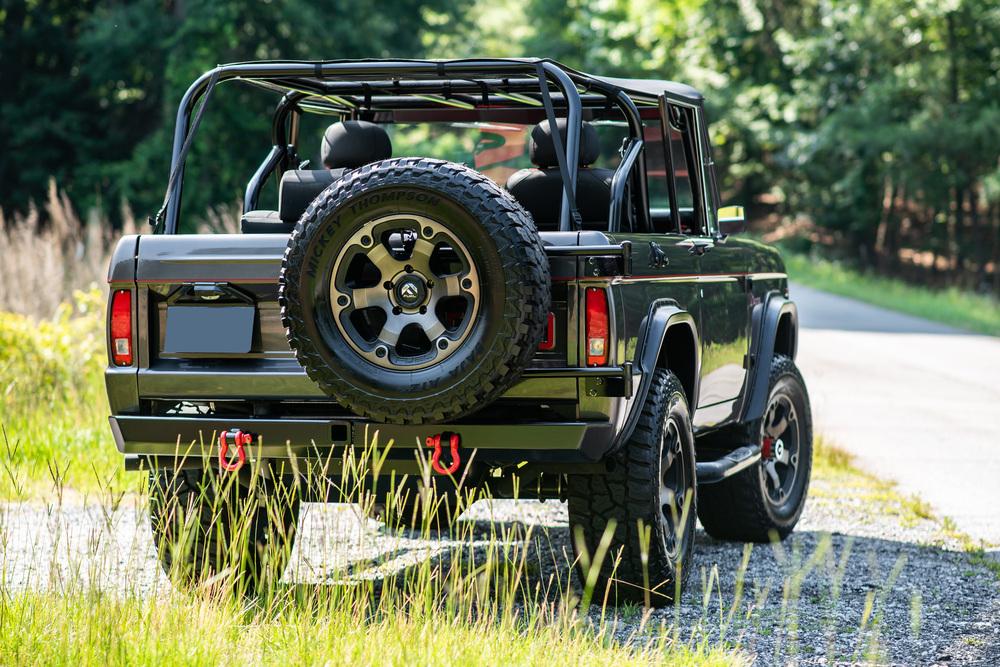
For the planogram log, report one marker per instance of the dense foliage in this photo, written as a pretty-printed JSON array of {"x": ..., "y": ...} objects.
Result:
[{"x": 876, "y": 125}]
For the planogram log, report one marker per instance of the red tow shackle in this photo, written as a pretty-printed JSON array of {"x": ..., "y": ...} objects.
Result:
[
  {"x": 239, "y": 440},
  {"x": 434, "y": 442}
]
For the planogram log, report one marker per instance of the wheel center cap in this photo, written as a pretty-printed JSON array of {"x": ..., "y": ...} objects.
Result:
[{"x": 411, "y": 292}]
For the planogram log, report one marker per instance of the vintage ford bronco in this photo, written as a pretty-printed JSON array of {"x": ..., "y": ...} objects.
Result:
[{"x": 518, "y": 273}]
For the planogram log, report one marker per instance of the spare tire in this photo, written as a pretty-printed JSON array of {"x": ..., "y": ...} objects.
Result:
[{"x": 414, "y": 290}]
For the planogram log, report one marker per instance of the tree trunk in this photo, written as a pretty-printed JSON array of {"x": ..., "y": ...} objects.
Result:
[{"x": 886, "y": 238}]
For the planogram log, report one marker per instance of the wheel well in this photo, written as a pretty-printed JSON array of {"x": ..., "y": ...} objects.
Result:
[
  {"x": 784, "y": 339},
  {"x": 679, "y": 354}
]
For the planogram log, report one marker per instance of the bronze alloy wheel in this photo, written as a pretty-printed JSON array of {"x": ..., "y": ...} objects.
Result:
[{"x": 405, "y": 292}]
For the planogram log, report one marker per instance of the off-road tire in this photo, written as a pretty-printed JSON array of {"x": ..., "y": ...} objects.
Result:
[
  {"x": 628, "y": 494},
  {"x": 511, "y": 264},
  {"x": 204, "y": 525},
  {"x": 737, "y": 508}
]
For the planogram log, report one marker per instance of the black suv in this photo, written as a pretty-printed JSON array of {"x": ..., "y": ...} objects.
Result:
[{"x": 517, "y": 273}]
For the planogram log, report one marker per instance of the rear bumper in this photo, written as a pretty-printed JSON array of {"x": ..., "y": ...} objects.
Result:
[{"x": 188, "y": 438}]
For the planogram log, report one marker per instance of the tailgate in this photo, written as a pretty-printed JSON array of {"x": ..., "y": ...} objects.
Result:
[{"x": 213, "y": 328}]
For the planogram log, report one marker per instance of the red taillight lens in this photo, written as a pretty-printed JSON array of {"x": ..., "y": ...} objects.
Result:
[
  {"x": 121, "y": 327},
  {"x": 597, "y": 327},
  {"x": 549, "y": 342}
]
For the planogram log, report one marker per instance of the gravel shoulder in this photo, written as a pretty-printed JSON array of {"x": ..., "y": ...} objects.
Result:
[{"x": 868, "y": 576}]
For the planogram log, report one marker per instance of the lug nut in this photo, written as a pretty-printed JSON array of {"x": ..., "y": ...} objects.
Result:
[
  {"x": 408, "y": 268},
  {"x": 387, "y": 284}
]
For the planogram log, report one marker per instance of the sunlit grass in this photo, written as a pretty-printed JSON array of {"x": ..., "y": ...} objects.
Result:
[
  {"x": 91, "y": 629},
  {"x": 53, "y": 406},
  {"x": 964, "y": 310}
]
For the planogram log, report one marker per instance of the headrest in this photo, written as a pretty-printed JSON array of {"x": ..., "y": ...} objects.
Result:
[
  {"x": 543, "y": 150},
  {"x": 355, "y": 143}
]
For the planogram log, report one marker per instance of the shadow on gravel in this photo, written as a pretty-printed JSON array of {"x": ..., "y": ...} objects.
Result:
[{"x": 816, "y": 598}]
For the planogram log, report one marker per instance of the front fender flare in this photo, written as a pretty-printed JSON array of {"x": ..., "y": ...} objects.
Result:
[
  {"x": 662, "y": 316},
  {"x": 764, "y": 327}
]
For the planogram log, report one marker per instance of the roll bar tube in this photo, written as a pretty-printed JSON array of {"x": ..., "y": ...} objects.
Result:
[{"x": 366, "y": 70}]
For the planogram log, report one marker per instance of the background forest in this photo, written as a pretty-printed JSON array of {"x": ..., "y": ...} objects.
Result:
[{"x": 869, "y": 130}]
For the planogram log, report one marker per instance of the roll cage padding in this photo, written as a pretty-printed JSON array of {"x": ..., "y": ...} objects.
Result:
[
  {"x": 766, "y": 318},
  {"x": 652, "y": 352}
]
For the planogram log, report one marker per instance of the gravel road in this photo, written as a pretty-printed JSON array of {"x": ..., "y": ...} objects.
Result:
[{"x": 804, "y": 602}]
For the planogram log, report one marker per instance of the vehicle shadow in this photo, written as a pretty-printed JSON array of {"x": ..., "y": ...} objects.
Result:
[{"x": 817, "y": 595}]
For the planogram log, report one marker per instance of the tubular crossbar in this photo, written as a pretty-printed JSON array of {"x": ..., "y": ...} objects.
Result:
[
  {"x": 366, "y": 70},
  {"x": 346, "y": 87}
]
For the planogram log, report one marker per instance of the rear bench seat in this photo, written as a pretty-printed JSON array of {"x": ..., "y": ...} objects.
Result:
[{"x": 347, "y": 145}]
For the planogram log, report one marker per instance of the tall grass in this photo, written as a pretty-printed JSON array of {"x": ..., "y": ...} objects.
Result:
[
  {"x": 53, "y": 407},
  {"x": 485, "y": 592},
  {"x": 50, "y": 252}
]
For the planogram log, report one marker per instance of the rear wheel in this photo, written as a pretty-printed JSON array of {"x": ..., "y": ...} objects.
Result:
[
  {"x": 205, "y": 526},
  {"x": 649, "y": 497},
  {"x": 766, "y": 500}
]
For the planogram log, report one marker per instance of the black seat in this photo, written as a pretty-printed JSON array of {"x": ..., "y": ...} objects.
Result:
[
  {"x": 347, "y": 145},
  {"x": 540, "y": 190}
]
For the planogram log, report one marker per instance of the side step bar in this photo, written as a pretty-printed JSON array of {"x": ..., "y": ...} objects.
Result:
[{"x": 710, "y": 472}]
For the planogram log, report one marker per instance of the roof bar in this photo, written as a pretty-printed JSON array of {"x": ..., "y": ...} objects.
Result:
[{"x": 366, "y": 69}]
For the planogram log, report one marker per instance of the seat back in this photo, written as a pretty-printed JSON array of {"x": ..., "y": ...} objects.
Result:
[
  {"x": 540, "y": 190},
  {"x": 299, "y": 187},
  {"x": 346, "y": 145}
]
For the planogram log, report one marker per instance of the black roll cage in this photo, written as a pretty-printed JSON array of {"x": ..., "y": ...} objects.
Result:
[{"x": 356, "y": 88}]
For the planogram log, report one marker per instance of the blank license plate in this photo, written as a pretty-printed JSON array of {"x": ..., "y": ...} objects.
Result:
[{"x": 209, "y": 329}]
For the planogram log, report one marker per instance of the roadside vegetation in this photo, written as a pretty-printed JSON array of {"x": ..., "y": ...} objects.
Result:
[
  {"x": 53, "y": 406},
  {"x": 321, "y": 627},
  {"x": 958, "y": 308}
]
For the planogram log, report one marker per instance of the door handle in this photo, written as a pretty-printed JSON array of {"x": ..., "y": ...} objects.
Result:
[{"x": 697, "y": 246}]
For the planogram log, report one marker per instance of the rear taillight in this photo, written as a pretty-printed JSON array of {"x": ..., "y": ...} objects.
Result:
[
  {"x": 597, "y": 327},
  {"x": 549, "y": 342},
  {"x": 121, "y": 327}
]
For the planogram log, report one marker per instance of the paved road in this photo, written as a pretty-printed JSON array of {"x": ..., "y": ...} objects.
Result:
[{"x": 915, "y": 401}]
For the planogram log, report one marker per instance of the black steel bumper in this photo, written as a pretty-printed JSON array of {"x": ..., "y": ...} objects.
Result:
[{"x": 190, "y": 438}]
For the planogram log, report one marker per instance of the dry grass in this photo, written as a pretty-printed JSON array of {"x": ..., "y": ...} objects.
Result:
[
  {"x": 51, "y": 252},
  {"x": 44, "y": 262}
]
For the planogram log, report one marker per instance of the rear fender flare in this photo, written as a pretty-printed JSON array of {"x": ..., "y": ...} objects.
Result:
[
  {"x": 651, "y": 352},
  {"x": 765, "y": 320}
]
